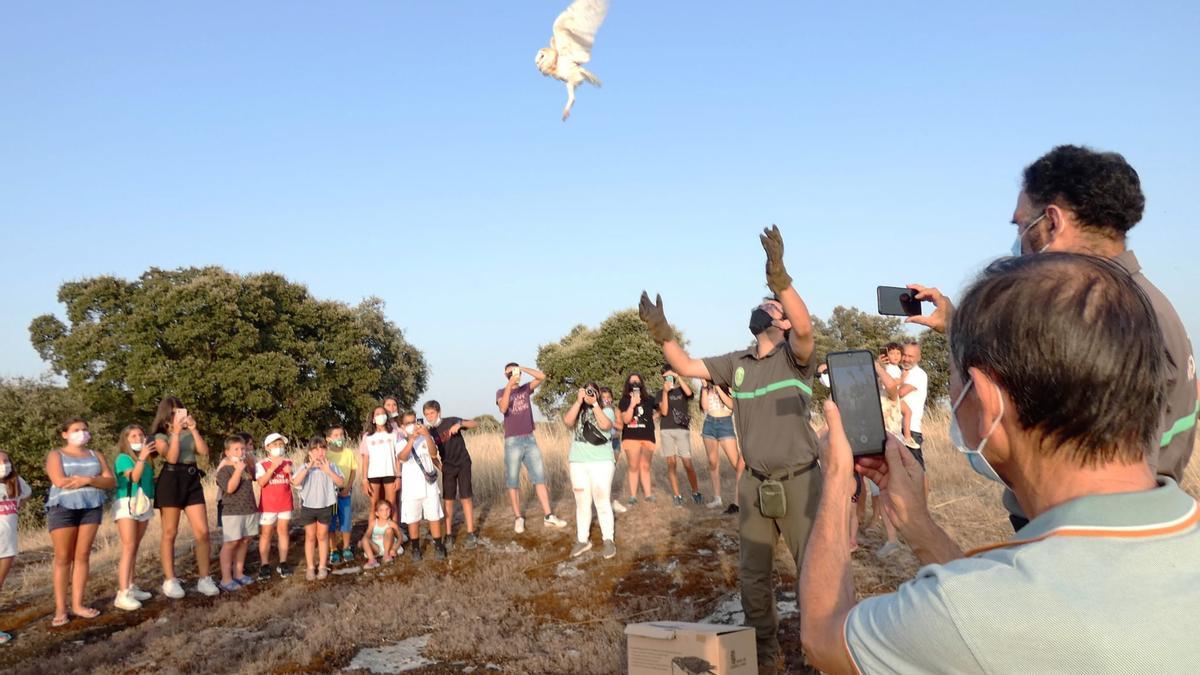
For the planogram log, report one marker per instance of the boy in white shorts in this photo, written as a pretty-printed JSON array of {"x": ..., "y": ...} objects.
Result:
[
  {"x": 239, "y": 518},
  {"x": 422, "y": 495}
]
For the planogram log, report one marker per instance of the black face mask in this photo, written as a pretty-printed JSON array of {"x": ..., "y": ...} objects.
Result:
[{"x": 759, "y": 321}]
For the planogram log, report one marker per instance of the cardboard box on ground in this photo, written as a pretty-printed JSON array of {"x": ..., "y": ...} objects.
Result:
[{"x": 678, "y": 648}]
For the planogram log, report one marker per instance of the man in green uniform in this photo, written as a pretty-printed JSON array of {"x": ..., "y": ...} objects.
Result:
[{"x": 772, "y": 387}]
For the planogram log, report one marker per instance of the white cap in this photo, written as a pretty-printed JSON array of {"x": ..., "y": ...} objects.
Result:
[{"x": 271, "y": 438}]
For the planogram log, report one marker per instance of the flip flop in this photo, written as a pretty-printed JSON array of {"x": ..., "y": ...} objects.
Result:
[
  {"x": 88, "y": 613},
  {"x": 60, "y": 621}
]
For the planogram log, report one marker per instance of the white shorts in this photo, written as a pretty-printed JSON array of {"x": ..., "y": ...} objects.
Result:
[
  {"x": 121, "y": 511},
  {"x": 270, "y": 518},
  {"x": 676, "y": 443},
  {"x": 236, "y": 528},
  {"x": 428, "y": 508}
]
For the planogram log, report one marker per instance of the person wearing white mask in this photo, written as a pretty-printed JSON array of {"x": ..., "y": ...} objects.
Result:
[
  {"x": 1078, "y": 200},
  {"x": 274, "y": 478},
  {"x": 132, "y": 510},
  {"x": 13, "y": 491},
  {"x": 378, "y": 449},
  {"x": 422, "y": 497},
  {"x": 1103, "y": 578},
  {"x": 78, "y": 477}
]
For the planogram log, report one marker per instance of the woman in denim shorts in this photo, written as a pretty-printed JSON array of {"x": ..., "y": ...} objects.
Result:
[
  {"x": 718, "y": 433},
  {"x": 74, "y": 509}
]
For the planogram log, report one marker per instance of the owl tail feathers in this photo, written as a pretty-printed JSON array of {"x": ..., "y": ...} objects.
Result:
[{"x": 587, "y": 75}]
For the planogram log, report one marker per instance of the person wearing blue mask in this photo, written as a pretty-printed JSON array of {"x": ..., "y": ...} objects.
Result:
[
  {"x": 1103, "y": 578},
  {"x": 1078, "y": 200}
]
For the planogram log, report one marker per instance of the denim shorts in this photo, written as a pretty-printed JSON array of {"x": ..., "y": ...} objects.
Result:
[
  {"x": 719, "y": 428},
  {"x": 520, "y": 450}
]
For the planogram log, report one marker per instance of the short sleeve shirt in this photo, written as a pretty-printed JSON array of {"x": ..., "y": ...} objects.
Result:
[
  {"x": 1103, "y": 583},
  {"x": 915, "y": 399},
  {"x": 1177, "y": 432},
  {"x": 346, "y": 461},
  {"x": 414, "y": 486},
  {"x": 518, "y": 421},
  {"x": 187, "y": 446},
  {"x": 771, "y": 399},
  {"x": 642, "y": 426},
  {"x": 317, "y": 490},
  {"x": 240, "y": 502},
  {"x": 678, "y": 416},
  {"x": 277, "y": 493},
  {"x": 122, "y": 467},
  {"x": 452, "y": 448},
  {"x": 583, "y": 450}
]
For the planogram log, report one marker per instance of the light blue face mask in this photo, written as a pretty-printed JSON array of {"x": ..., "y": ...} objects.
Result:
[
  {"x": 1016, "y": 247},
  {"x": 975, "y": 457}
]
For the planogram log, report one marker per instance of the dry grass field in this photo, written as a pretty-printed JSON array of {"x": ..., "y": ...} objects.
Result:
[{"x": 516, "y": 603}]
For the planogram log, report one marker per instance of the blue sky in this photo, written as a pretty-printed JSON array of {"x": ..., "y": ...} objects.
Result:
[{"x": 412, "y": 151}]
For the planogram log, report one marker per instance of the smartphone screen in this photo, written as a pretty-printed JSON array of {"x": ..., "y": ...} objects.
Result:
[
  {"x": 855, "y": 390},
  {"x": 896, "y": 301}
]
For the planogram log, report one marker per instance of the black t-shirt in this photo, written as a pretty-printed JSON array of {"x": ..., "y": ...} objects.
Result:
[
  {"x": 452, "y": 449},
  {"x": 678, "y": 416},
  {"x": 642, "y": 426}
]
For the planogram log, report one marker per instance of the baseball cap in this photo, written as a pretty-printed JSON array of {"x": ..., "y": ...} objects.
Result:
[{"x": 271, "y": 438}]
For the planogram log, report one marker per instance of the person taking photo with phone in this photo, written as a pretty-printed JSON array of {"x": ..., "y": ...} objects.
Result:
[
  {"x": 771, "y": 386},
  {"x": 675, "y": 422},
  {"x": 515, "y": 402},
  {"x": 635, "y": 414},
  {"x": 592, "y": 466},
  {"x": 178, "y": 492},
  {"x": 718, "y": 435}
]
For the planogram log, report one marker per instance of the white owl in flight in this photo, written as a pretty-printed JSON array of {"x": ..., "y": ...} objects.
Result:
[{"x": 571, "y": 46}]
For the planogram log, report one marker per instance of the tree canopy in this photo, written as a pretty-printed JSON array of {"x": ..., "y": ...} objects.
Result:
[
  {"x": 253, "y": 352},
  {"x": 620, "y": 345}
]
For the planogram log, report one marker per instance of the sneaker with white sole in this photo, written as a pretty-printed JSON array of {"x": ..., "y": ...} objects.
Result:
[
  {"x": 126, "y": 602},
  {"x": 580, "y": 548},
  {"x": 697, "y": 498},
  {"x": 138, "y": 594},
  {"x": 716, "y": 503},
  {"x": 610, "y": 549},
  {"x": 677, "y": 500},
  {"x": 519, "y": 526},
  {"x": 207, "y": 587},
  {"x": 173, "y": 589},
  {"x": 554, "y": 521},
  {"x": 618, "y": 507}
]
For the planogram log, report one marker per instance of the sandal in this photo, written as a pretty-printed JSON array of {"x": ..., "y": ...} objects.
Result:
[
  {"x": 88, "y": 613},
  {"x": 60, "y": 621},
  {"x": 5, "y": 638}
]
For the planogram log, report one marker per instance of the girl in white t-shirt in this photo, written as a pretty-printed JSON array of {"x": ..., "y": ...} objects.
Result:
[
  {"x": 422, "y": 496},
  {"x": 377, "y": 453},
  {"x": 13, "y": 491}
]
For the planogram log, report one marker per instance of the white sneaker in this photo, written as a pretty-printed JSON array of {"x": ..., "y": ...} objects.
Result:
[
  {"x": 715, "y": 503},
  {"x": 137, "y": 593},
  {"x": 126, "y": 602},
  {"x": 555, "y": 521},
  {"x": 173, "y": 589},
  {"x": 207, "y": 587},
  {"x": 618, "y": 507},
  {"x": 519, "y": 526}
]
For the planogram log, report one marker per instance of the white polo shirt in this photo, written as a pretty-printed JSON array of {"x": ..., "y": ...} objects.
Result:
[
  {"x": 1100, "y": 584},
  {"x": 915, "y": 399}
]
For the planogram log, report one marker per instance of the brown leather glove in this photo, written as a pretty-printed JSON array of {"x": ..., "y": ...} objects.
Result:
[
  {"x": 656, "y": 320},
  {"x": 777, "y": 277}
]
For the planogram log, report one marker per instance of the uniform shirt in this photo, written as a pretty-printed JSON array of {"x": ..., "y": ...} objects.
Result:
[
  {"x": 1100, "y": 584},
  {"x": 771, "y": 396},
  {"x": 1177, "y": 432},
  {"x": 678, "y": 416}
]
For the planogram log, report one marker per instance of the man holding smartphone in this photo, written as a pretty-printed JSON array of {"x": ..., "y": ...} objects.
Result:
[{"x": 771, "y": 385}]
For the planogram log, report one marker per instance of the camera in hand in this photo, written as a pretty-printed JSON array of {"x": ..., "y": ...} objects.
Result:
[{"x": 589, "y": 392}]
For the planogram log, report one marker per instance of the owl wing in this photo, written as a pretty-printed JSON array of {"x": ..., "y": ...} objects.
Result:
[{"x": 575, "y": 29}]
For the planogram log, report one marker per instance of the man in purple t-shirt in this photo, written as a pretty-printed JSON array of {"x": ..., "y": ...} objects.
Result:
[{"x": 520, "y": 447}]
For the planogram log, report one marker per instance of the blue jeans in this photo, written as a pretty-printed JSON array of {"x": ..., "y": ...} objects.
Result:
[{"x": 520, "y": 450}]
